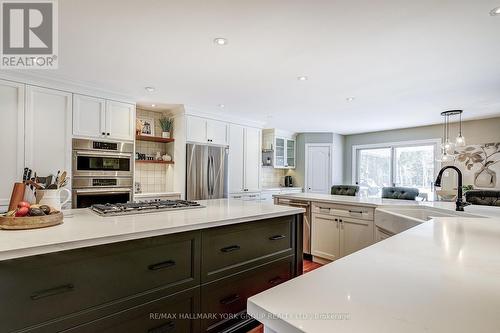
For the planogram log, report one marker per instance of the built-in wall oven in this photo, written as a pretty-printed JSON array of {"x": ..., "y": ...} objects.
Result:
[{"x": 102, "y": 172}]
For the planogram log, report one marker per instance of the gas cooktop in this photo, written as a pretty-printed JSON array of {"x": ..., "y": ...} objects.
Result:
[{"x": 143, "y": 207}]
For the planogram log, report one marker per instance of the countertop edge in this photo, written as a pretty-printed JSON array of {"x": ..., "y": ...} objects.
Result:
[{"x": 77, "y": 244}]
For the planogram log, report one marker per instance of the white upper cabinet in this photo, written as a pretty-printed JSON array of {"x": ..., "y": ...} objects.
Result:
[
  {"x": 48, "y": 130},
  {"x": 252, "y": 159},
  {"x": 12, "y": 138},
  {"x": 196, "y": 129},
  {"x": 282, "y": 145},
  {"x": 99, "y": 118},
  {"x": 217, "y": 132},
  {"x": 244, "y": 159},
  {"x": 202, "y": 130},
  {"x": 89, "y": 116},
  {"x": 236, "y": 159},
  {"x": 120, "y": 120}
]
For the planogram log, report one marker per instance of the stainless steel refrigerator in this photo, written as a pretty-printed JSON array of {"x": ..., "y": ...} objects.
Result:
[{"x": 206, "y": 174}]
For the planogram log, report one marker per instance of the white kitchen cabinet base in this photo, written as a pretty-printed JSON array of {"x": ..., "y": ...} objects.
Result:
[{"x": 320, "y": 260}]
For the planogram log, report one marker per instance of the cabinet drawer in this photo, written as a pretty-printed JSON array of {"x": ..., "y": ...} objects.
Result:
[
  {"x": 230, "y": 249},
  {"x": 229, "y": 296},
  {"x": 357, "y": 212},
  {"x": 59, "y": 284},
  {"x": 166, "y": 315}
]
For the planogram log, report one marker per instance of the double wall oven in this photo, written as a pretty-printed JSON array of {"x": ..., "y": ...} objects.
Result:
[{"x": 102, "y": 172}]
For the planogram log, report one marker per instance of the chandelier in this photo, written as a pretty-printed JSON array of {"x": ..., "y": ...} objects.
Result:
[{"x": 448, "y": 146}]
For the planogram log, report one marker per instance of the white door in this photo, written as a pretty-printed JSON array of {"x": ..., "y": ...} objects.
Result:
[
  {"x": 236, "y": 159},
  {"x": 120, "y": 120},
  {"x": 217, "y": 132},
  {"x": 252, "y": 159},
  {"x": 318, "y": 168},
  {"x": 48, "y": 130},
  {"x": 89, "y": 116},
  {"x": 196, "y": 129},
  {"x": 11, "y": 138}
]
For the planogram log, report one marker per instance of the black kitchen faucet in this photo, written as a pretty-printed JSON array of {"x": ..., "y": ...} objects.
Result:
[{"x": 460, "y": 203}]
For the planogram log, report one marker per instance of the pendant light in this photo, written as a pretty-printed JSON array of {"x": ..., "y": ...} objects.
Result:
[{"x": 448, "y": 147}]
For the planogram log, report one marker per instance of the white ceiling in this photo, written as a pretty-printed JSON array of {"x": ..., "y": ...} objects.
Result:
[{"x": 404, "y": 61}]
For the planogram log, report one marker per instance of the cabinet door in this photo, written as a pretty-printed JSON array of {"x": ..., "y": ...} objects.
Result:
[
  {"x": 196, "y": 129},
  {"x": 252, "y": 159},
  {"x": 325, "y": 237},
  {"x": 236, "y": 159},
  {"x": 11, "y": 138},
  {"x": 120, "y": 120},
  {"x": 89, "y": 116},
  {"x": 381, "y": 234},
  {"x": 217, "y": 132},
  {"x": 279, "y": 153},
  {"x": 356, "y": 234},
  {"x": 48, "y": 130},
  {"x": 290, "y": 154}
]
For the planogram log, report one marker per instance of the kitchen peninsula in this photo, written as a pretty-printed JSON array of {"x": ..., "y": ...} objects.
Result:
[
  {"x": 439, "y": 275},
  {"x": 109, "y": 274}
]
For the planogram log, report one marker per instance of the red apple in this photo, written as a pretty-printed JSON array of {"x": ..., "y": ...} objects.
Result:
[
  {"x": 21, "y": 212},
  {"x": 23, "y": 204}
]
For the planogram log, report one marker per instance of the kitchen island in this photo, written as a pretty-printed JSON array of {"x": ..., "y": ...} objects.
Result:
[
  {"x": 438, "y": 276},
  {"x": 175, "y": 271}
]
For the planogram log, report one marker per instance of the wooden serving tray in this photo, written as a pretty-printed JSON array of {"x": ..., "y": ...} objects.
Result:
[{"x": 30, "y": 222}]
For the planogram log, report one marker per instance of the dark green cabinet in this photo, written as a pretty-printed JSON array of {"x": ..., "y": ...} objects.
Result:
[{"x": 183, "y": 277}]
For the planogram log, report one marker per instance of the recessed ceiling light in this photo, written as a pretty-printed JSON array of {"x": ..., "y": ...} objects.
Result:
[
  {"x": 350, "y": 99},
  {"x": 302, "y": 78},
  {"x": 220, "y": 41},
  {"x": 222, "y": 106},
  {"x": 495, "y": 11},
  {"x": 150, "y": 89},
  {"x": 153, "y": 105}
]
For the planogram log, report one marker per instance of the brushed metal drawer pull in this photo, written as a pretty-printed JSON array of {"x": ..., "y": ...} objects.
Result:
[
  {"x": 229, "y": 300},
  {"x": 276, "y": 280},
  {"x": 168, "y": 327},
  {"x": 230, "y": 248},
  {"x": 161, "y": 265},
  {"x": 356, "y": 211},
  {"x": 323, "y": 209},
  {"x": 277, "y": 237},
  {"x": 52, "y": 292}
]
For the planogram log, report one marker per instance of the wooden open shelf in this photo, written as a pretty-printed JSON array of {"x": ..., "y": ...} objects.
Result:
[
  {"x": 155, "y": 161},
  {"x": 153, "y": 138}
]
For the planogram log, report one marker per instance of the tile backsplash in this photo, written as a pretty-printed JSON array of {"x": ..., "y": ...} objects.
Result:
[{"x": 272, "y": 177}]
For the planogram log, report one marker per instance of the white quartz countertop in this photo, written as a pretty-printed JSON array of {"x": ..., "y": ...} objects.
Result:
[
  {"x": 279, "y": 188},
  {"x": 82, "y": 227},
  {"x": 441, "y": 276},
  {"x": 486, "y": 211},
  {"x": 157, "y": 194}
]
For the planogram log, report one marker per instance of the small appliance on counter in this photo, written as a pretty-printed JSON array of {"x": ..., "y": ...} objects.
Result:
[{"x": 288, "y": 181}]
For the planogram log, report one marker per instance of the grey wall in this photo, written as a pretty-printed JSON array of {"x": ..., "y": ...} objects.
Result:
[
  {"x": 474, "y": 131},
  {"x": 338, "y": 154}
]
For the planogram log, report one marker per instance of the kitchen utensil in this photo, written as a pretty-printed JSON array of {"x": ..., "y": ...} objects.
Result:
[
  {"x": 62, "y": 179},
  {"x": 57, "y": 177},
  {"x": 52, "y": 198},
  {"x": 17, "y": 195},
  {"x": 30, "y": 222}
]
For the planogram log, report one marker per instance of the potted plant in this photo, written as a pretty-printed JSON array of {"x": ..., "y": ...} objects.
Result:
[{"x": 166, "y": 125}]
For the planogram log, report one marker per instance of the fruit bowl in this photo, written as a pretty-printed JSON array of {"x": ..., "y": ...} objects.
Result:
[{"x": 30, "y": 222}]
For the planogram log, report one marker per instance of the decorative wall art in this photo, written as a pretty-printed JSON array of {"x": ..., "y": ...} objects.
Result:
[{"x": 480, "y": 164}]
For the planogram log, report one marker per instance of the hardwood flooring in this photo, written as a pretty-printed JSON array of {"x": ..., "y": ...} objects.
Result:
[{"x": 308, "y": 266}]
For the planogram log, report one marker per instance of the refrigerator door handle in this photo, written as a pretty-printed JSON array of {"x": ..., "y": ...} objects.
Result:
[{"x": 212, "y": 175}]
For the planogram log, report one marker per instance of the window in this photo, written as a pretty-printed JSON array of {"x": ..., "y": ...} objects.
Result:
[{"x": 408, "y": 164}]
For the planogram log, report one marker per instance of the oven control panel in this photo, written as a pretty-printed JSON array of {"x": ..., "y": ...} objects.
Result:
[
  {"x": 105, "y": 145},
  {"x": 104, "y": 182}
]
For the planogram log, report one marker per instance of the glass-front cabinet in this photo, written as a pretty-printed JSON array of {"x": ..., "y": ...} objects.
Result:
[
  {"x": 284, "y": 153},
  {"x": 280, "y": 153},
  {"x": 290, "y": 154}
]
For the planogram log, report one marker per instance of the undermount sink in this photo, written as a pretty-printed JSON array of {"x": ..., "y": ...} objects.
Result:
[{"x": 399, "y": 219}]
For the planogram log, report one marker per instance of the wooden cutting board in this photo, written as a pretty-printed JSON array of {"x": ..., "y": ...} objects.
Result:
[{"x": 30, "y": 222}]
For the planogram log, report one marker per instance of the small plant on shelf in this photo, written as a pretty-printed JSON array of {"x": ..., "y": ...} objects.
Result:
[{"x": 166, "y": 125}]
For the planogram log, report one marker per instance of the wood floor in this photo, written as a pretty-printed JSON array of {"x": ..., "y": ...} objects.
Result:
[{"x": 308, "y": 266}]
